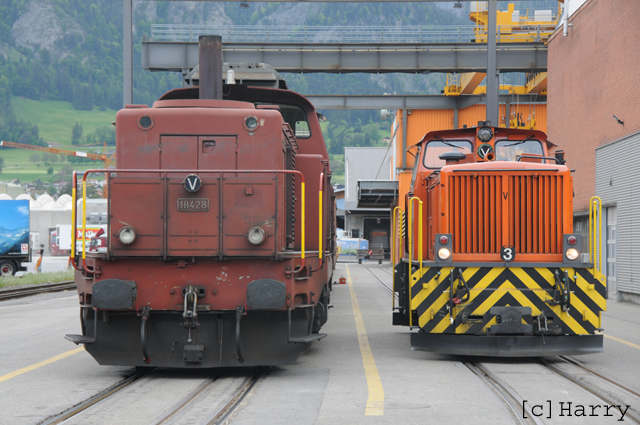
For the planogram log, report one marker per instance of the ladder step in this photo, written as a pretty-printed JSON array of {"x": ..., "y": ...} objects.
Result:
[
  {"x": 80, "y": 339},
  {"x": 308, "y": 338}
]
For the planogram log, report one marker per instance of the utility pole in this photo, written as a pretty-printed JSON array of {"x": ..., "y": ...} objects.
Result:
[
  {"x": 127, "y": 49},
  {"x": 493, "y": 78}
]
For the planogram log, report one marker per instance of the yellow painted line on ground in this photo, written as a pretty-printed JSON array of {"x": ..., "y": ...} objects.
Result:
[
  {"x": 375, "y": 402},
  {"x": 40, "y": 364},
  {"x": 630, "y": 344}
]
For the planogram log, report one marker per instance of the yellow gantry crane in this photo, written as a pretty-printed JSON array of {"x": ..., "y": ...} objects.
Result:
[
  {"x": 512, "y": 28},
  {"x": 106, "y": 159}
]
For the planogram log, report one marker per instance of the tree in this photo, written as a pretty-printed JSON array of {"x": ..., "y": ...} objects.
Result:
[
  {"x": 34, "y": 158},
  {"x": 65, "y": 172},
  {"x": 1, "y": 164},
  {"x": 66, "y": 189},
  {"x": 50, "y": 171},
  {"x": 26, "y": 138},
  {"x": 76, "y": 134}
]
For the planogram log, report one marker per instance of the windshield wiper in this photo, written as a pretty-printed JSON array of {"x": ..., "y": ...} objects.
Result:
[
  {"x": 519, "y": 142},
  {"x": 447, "y": 143}
]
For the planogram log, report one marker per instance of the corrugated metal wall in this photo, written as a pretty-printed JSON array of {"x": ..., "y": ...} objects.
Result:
[
  {"x": 419, "y": 123},
  {"x": 617, "y": 176}
]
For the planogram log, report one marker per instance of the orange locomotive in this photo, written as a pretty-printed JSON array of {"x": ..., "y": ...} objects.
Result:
[{"x": 486, "y": 261}]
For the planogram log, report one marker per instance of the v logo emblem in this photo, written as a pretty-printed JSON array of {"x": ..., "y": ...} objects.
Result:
[{"x": 192, "y": 183}]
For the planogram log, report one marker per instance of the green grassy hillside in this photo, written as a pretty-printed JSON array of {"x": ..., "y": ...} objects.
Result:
[{"x": 55, "y": 120}]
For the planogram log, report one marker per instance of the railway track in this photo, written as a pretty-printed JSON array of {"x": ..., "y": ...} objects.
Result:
[
  {"x": 521, "y": 409},
  {"x": 387, "y": 287},
  {"x": 621, "y": 397},
  {"x": 213, "y": 401},
  {"x": 25, "y": 291},
  {"x": 93, "y": 400},
  {"x": 510, "y": 398},
  {"x": 196, "y": 407}
]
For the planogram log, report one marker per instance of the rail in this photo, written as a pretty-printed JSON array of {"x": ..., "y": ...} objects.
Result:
[
  {"x": 595, "y": 232},
  {"x": 411, "y": 203},
  {"x": 164, "y": 173},
  {"x": 511, "y": 398},
  {"x": 11, "y": 293}
]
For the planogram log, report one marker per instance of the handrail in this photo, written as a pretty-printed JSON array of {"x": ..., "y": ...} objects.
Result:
[
  {"x": 320, "y": 229},
  {"x": 595, "y": 232},
  {"x": 74, "y": 219},
  {"x": 411, "y": 202},
  {"x": 394, "y": 233},
  {"x": 320, "y": 190},
  {"x": 551, "y": 158},
  {"x": 317, "y": 34},
  {"x": 109, "y": 173},
  {"x": 353, "y": 34}
]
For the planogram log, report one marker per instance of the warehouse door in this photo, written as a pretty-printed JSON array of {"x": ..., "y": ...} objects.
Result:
[{"x": 612, "y": 268}]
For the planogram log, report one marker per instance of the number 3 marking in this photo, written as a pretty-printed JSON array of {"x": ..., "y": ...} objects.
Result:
[{"x": 507, "y": 253}]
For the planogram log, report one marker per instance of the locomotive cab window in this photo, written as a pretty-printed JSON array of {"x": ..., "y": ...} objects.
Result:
[
  {"x": 295, "y": 117},
  {"x": 510, "y": 150},
  {"x": 435, "y": 148}
]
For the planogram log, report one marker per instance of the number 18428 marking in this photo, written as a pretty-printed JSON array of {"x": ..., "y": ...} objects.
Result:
[{"x": 193, "y": 204}]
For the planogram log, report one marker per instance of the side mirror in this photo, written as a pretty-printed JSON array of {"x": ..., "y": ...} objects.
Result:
[{"x": 560, "y": 157}]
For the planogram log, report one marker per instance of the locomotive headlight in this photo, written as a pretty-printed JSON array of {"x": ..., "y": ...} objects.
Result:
[
  {"x": 485, "y": 134},
  {"x": 444, "y": 253},
  {"x": 256, "y": 235},
  {"x": 127, "y": 235},
  {"x": 251, "y": 123},
  {"x": 572, "y": 254}
]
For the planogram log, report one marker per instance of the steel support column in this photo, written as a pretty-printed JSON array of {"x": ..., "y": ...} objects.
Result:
[
  {"x": 127, "y": 52},
  {"x": 507, "y": 112},
  {"x": 404, "y": 138},
  {"x": 493, "y": 81},
  {"x": 455, "y": 117}
]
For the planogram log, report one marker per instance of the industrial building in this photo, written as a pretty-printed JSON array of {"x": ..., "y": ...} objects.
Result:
[{"x": 594, "y": 116}]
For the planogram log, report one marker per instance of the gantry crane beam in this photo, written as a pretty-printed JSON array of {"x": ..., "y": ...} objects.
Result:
[
  {"x": 107, "y": 159},
  {"x": 469, "y": 81}
]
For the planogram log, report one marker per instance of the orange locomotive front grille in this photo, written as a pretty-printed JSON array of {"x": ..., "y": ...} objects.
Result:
[{"x": 489, "y": 211}]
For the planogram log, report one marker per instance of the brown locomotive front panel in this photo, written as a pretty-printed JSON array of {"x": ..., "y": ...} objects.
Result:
[{"x": 220, "y": 234}]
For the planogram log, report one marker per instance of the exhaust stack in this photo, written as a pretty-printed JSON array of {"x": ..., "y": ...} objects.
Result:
[{"x": 210, "y": 63}]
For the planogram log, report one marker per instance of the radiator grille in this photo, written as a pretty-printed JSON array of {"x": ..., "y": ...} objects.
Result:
[{"x": 489, "y": 211}]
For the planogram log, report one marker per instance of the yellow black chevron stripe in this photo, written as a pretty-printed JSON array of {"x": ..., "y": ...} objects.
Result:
[{"x": 506, "y": 286}]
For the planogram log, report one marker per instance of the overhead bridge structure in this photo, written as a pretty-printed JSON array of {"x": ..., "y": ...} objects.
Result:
[
  {"x": 411, "y": 101},
  {"x": 353, "y": 57}
]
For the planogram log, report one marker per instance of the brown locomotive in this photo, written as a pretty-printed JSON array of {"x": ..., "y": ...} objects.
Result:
[{"x": 221, "y": 233}]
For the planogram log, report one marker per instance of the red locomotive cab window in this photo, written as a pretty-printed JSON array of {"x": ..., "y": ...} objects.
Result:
[
  {"x": 435, "y": 148},
  {"x": 510, "y": 150},
  {"x": 296, "y": 117}
]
